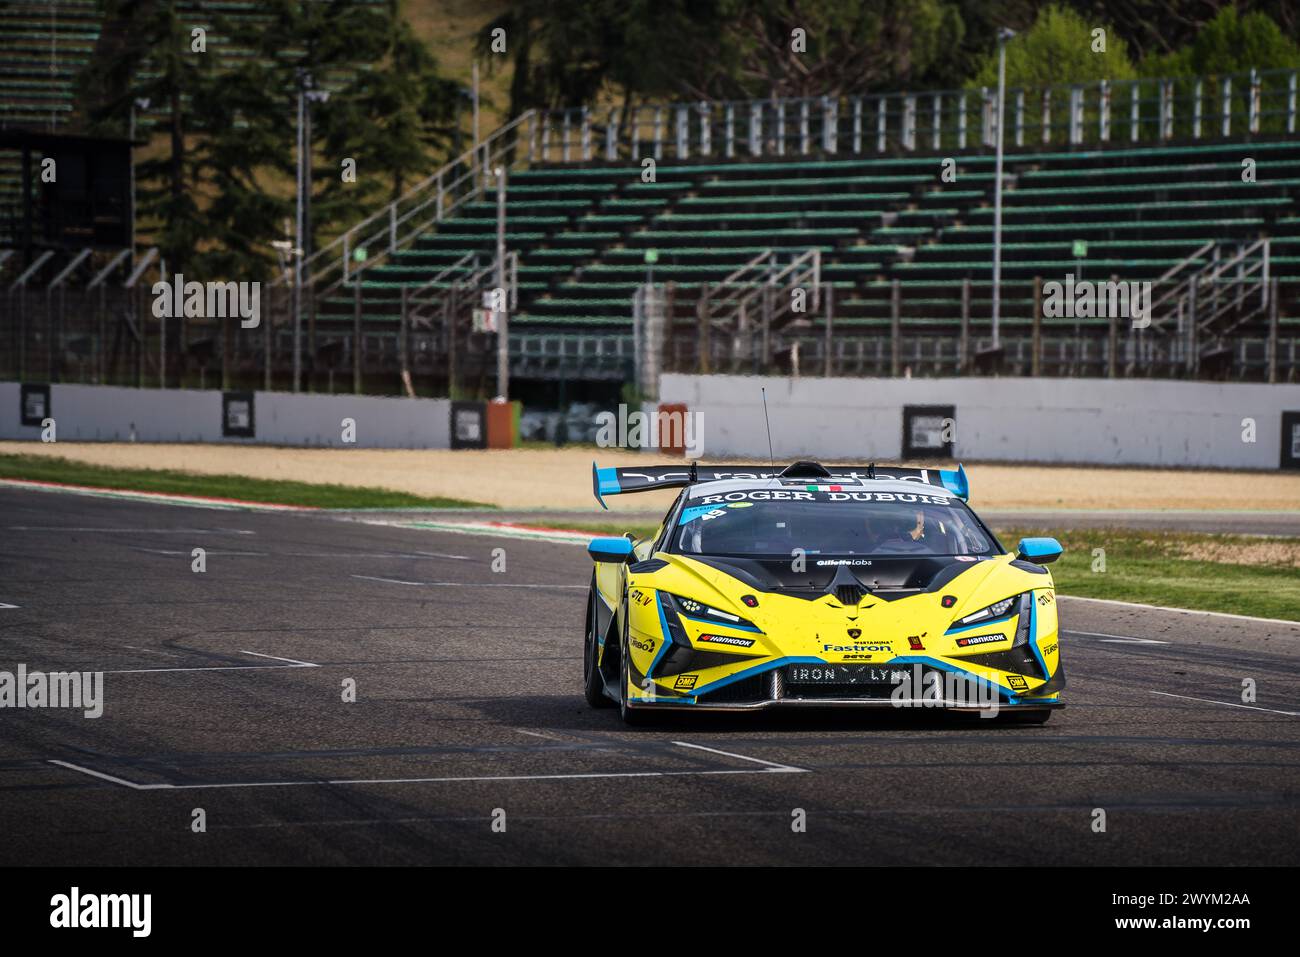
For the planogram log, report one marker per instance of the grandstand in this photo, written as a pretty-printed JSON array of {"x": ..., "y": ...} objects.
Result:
[{"x": 843, "y": 198}]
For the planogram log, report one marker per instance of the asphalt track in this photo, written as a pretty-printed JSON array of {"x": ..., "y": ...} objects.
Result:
[{"x": 224, "y": 693}]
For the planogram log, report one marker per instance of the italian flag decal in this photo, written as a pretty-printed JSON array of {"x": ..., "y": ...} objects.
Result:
[{"x": 823, "y": 488}]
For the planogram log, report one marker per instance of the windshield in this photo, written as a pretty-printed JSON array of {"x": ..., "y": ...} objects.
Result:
[{"x": 830, "y": 523}]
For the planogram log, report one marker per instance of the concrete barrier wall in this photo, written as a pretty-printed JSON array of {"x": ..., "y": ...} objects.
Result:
[
  {"x": 85, "y": 413},
  {"x": 1086, "y": 421}
]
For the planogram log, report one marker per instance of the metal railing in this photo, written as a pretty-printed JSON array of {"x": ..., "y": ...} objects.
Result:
[
  {"x": 420, "y": 208},
  {"x": 1147, "y": 110}
]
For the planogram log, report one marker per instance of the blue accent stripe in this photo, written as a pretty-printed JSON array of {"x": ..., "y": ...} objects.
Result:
[
  {"x": 1033, "y": 634},
  {"x": 604, "y": 482},
  {"x": 956, "y": 482},
  {"x": 945, "y": 666},
  {"x": 758, "y": 669},
  {"x": 668, "y": 638}
]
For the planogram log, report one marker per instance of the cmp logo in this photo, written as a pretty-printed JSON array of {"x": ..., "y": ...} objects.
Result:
[{"x": 75, "y": 910}]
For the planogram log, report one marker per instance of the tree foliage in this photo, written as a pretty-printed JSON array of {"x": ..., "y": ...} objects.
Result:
[{"x": 1060, "y": 47}]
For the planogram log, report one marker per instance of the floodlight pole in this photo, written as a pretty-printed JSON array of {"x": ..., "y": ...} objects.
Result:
[
  {"x": 1003, "y": 36},
  {"x": 297, "y": 251},
  {"x": 502, "y": 317}
]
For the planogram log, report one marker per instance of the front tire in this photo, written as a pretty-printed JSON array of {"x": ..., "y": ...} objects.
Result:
[{"x": 593, "y": 685}]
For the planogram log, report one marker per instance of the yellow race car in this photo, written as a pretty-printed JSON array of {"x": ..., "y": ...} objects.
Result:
[{"x": 819, "y": 586}]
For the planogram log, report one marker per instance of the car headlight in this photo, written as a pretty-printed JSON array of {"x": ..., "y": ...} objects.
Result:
[
  {"x": 702, "y": 611},
  {"x": 996, "y": 610}
]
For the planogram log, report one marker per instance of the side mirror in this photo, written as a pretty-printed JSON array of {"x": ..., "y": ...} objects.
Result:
[
  {"x": 1040, "y": 551},
  {"x": 618, "y": 550}
]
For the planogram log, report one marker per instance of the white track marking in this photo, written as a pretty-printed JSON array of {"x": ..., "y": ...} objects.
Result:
[
  {"x": 1115, "y": 639},
  {"x": 212, "y": 552},
  {"x": 594, "y": 775},
  {"x": 107, "y": 777},
  {"x": 1183, "y": 611},
  {"x": 538, "y": 734},
  {"x": 1228, "y": 704},
  {"x": 292, "y": 663},
  {"x": 771, "y": 764},
  {"x": 769, "y": 767},
  {"x": 130, "y": 531},
  {"x": 6, "y": 605},
  {"x": 397, "y": 581}
]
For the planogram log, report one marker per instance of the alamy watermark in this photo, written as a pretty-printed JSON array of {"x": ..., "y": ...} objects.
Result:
[
  {"x": 1088, "y": 299},
  {"x": 211, "y": 300},
  {"x": 664, "y": 429},
  {"x": 55, "y": 689}
]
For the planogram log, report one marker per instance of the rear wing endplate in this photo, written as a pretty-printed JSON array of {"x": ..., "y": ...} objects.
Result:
[{"x": 619, "y": 481}]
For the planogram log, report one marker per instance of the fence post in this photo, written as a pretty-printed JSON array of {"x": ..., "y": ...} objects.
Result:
[
  {"x": 805, "y": 127},
  {"x": 880, "y": 124},
  {"x": 611, "y": 136},
  {"x": 1036, "y": 343},
  {"x": 1226, "y": 90},
  {"x": 779, "y": 106},
  {"x": 564, "y": 143},
  {"x": 1134, "y": 110},
  {"x": 857, "y": 124},
  {"x": 1112, "y": 359},
  {"x": 963, "y": 346},
  {"x": 895, "y": 323},
  {"x": 1197, "y": 95},
  {"x": 936, "y": 126},
  {"x": 356, "y": 336},
  {"x": 1272, "y": 331},
  {"x": 830, "y": 323},
  {"x": 267, "y": 342},
  {"x": 1076, "y": 115},
  {"x": 1103, "y": 111},
  {"x": 1253, "y": 104},
  {"x": 1166, "y": 110},
  {"x": 961, "y": 121},
  {"x": 683, "y": 133},
  {"x": 706, "y": 129},
  {"x": 659, "y": 132},
  {"x": 1020, "y": 118},
  {"x": 909, "y": 122},
  {"x": 1045, "y": 117},
  {"x": 1290, "y": 103},
  {"x": 755, "y": 127},
  {"x": 703, "y": 340},
  {"x": 586, "y": 135}
]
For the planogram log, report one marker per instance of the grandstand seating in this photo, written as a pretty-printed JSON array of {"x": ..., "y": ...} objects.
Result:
[{"x": 582, "y": 232}]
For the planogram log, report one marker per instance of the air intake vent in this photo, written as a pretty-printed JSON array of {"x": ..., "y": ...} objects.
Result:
[{"x": 845, "y": 587}]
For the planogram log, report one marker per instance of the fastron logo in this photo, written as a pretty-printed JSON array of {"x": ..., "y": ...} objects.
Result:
[
  {"x": 213, "y": 300},
  {"x": 73, "y": 910},
  {"x": 1086, "y": 299}
]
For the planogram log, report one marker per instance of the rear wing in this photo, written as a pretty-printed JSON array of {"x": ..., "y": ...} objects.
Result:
[{"x": 616, "y": 481}]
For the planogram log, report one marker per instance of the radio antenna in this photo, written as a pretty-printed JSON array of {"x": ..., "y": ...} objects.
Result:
[{"x": 766, "y": 421}]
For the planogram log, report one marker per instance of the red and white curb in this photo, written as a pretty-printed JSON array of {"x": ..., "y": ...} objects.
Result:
[{"x": 165, "y": 498}]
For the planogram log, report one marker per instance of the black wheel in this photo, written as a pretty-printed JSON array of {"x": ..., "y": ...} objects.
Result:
[
  {"x": 593, "y": 685},
  {"x": 1031, "y": 716},
  {"x": 630, "y": 715}
]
